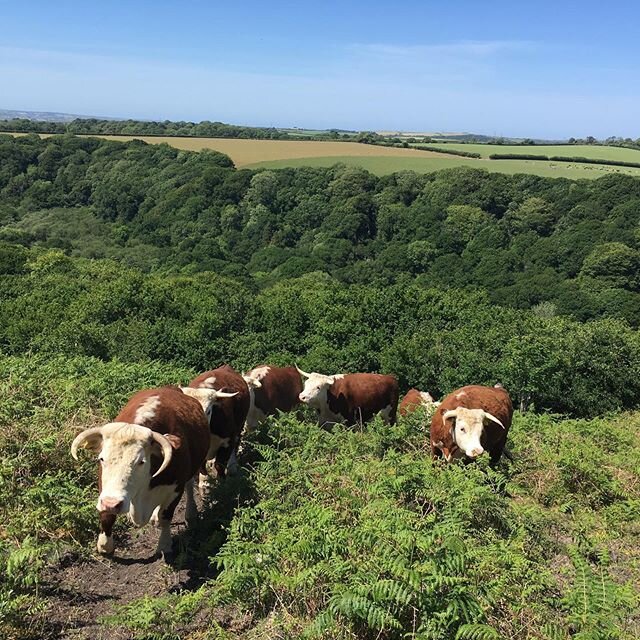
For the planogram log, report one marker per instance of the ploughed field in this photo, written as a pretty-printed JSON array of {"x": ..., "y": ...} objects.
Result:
[
  {"x": 342, "y": 533},
  {"x": 385, "y": 160}
]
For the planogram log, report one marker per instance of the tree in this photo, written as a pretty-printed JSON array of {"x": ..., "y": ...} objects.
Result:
[{"x": 614, "y": 264}]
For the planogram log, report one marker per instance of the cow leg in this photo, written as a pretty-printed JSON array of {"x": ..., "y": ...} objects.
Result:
[
  {"x": 388, "y": 414},
  {"x": 232, "y": 465},
  {"x": 222, "y": 460},
  {"x": 216, "y": 445},
  {"x": 436, "y": 452},
  {"x": 496, "y": 453},
  {"x": 105, "y": 538},
  {"x": 165, "y": 515},
  {"x": 191, "y": 511}
]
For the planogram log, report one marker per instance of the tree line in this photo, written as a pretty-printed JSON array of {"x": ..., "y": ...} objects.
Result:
[
  {"x": 557, "y": 246},
  {"x": 96, "y": 126}
]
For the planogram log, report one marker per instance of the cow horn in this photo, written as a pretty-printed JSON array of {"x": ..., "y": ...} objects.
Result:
[
  {"x": 452, "y": 413},
  {"x": 488, "y": 416},
  {"x": 225, "y": 394},
  {"x": 302, "y": 373},
  {"x": 81, "y": 438},
  {"x": 167, "y": 451}
]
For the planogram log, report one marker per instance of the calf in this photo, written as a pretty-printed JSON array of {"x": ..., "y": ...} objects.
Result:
[
  {"x": 148, "y": 456},
  {"x": 272, "y": 389},
  {"x": 226, "y": 415},
  {"x": 351, "y": 397},
  {"x": 470, "y": 421},
  {"x": 414, "y": 400}
]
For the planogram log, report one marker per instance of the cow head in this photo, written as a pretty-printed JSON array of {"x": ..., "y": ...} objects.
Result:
[
  {"x": 468, "y": 427},
  {"x": 125, "y": 451},
  {"x": 252, "y": 383},
  {"x": 315, "y": 388},
  {"x": 427, "y": 399},
  {"x": 207, "y": 398}
]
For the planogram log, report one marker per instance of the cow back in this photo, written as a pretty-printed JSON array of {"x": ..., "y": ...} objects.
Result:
[
  {"x": 359, "y": 396},
  {"x": 166, "y": 410},
  {"x": 280, "y": 390},
  {"x": 411, "y": 402}
]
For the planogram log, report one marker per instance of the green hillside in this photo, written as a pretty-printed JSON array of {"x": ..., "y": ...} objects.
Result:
[{"x": 129, "y": 265}]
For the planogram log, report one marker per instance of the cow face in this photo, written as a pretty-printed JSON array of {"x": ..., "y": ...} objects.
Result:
[
  {"x": 315, "y": 389},
  {"x": 207, "y": 398},
  {"x": 124, "y": 452},
  {"x": 468, "y": 427}
]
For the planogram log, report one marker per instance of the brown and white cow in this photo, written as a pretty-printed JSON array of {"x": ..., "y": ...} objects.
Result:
[
  {"x": 351, "y": 397},
  {"x": 227, "y": 415},
  {"x": 148, "y": 456},
  {"x": 470, "y": 421},
  {"x": 414, "y": 400},
  {"x": 272, "y": 389}
]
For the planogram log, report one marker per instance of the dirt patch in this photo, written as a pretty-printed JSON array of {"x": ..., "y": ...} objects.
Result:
[{"x": 83, "y": 589}]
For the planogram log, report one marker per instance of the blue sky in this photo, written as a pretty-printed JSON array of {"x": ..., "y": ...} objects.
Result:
[{"x": 548, "y": 69}]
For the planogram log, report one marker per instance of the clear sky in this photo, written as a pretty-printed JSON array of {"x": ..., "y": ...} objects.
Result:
[{"x": 523, "y": 68}]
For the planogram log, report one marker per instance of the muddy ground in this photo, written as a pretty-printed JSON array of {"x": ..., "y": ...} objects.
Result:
[{"x": 84, "y": 588}]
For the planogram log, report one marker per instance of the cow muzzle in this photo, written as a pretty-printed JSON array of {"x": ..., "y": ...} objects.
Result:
[
  {"x": 111, "y": 505},
  {"x": 474, "y": 453}
]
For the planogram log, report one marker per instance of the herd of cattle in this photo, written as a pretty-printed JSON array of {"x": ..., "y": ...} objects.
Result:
[{"x": 150, "y": 455}]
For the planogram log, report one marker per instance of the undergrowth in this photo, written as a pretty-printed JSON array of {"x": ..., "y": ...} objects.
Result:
[{"x": 348, "y": 533}]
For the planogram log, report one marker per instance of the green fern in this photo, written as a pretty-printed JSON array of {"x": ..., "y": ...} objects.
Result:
[{"x": 477, "y": 632}]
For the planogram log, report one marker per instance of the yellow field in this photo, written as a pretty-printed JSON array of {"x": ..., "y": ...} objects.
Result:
[
  {"x": 377, "y": 159},
  {"x": 246, "y": 152}
]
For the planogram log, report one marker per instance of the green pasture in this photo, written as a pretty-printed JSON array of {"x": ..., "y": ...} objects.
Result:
[
  {"x": 382, "y": 165},
  {"x": 578, "y": 150}
]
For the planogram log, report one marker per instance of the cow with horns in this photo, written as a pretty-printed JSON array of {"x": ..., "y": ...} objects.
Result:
[
  {"x": 470, "y": 421},
  {"x": 351, "y": 397},
  {"x": 148, "y": 457},
  {"x": 226, "y": 413}
]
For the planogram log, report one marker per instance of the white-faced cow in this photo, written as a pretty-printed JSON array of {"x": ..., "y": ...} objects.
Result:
[
  {"x": 227, "y": 415},
  {"x": 272, "y": 389},
  {"x": 351, "y": 397},
  {"x": 414, "y": 400},
  {"x": 148, "y": 456},
  {"x": 470, "y": 421}
]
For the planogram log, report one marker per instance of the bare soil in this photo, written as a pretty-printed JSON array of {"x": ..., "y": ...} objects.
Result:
[{"x": 82, "y": 589}]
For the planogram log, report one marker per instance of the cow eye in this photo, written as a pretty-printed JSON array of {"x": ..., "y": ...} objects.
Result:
[
  {"x": 463, "y": 430},
  {"x": 141, "y": 461},
  {"x": 100, "y": 459}
]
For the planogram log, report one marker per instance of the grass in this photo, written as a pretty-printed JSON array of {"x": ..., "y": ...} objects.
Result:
[
  {"x": 382, "y": 165},
  {"x": 579, "y": 150}
]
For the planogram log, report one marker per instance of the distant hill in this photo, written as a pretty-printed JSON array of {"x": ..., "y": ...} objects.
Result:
[
  {"x": 461, "y": 137},
  {"x": 43, "y": 116}
]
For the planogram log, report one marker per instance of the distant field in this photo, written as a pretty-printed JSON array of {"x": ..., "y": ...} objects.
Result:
[
  {"x": 383, "y": 160},
  {"x": 246, "y": 152},
  {"x": 577, "y": 150},
  {"x": 384, "y": 165}
]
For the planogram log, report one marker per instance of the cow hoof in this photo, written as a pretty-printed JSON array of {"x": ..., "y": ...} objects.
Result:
[
  {"x": 105, "y": 545},
  {"x": 168, "y": 556}
]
